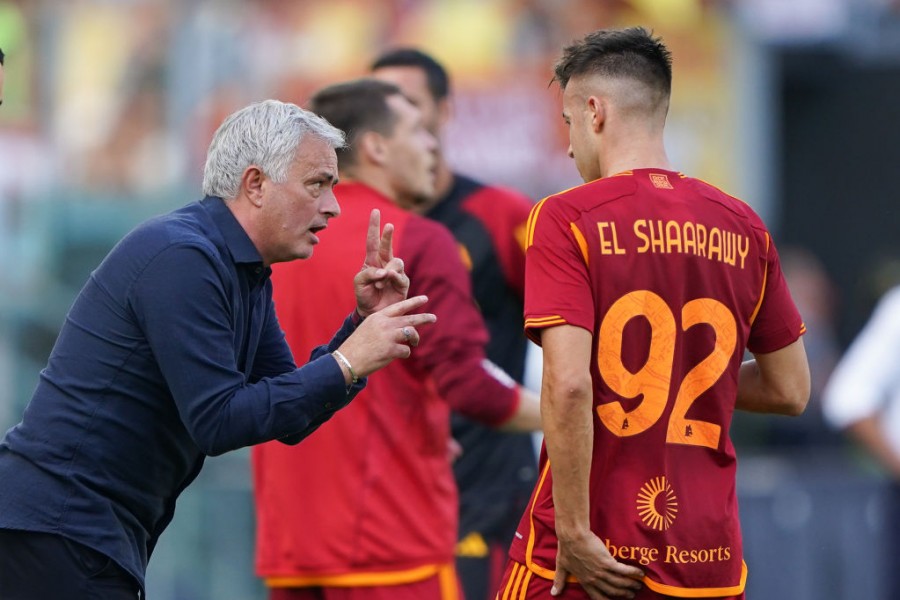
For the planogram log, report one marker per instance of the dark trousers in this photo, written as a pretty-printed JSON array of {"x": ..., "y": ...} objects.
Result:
[{"x": 44, "y": 566}]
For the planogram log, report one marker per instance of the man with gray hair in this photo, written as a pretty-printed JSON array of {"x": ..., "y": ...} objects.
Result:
[{"x": 172, "y": 352}]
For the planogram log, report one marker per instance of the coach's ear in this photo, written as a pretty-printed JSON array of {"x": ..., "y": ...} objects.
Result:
[
  {"x": 373, "y": 148},
  {"x": 252, "y": 182}
]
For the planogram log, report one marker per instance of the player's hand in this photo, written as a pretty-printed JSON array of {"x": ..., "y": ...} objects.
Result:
[
  {"x": 385, "y": 335},
  {"x": 601, "y": 576},
  {"x": 381, "y": 282}
]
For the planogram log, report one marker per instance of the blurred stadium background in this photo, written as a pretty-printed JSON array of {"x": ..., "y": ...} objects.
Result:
[{"x": 110, "y": 104}]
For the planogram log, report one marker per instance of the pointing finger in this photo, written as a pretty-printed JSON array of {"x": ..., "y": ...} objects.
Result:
[
  {"x": 372, "y": 238},
  {"x": 404, "y": 306}
]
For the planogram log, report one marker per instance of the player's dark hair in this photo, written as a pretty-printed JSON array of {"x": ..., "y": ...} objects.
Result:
[
  {"x": 634, "y": 53},
  {"x": 356, "y": 107},
  {"x": 2, "y": 56},
  {"x": 435, "y": 74}
]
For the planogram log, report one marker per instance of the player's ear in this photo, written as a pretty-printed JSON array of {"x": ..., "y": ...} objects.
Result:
[
  {"x": 596, "y": 108},
  {"x": 252, "y": 184},
  {"x": 373, "y": 147}
]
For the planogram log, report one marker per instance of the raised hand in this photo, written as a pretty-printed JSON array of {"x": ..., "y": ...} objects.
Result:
[
  {"x": 385, "y": 335},
  {"x": 381, "y": 282}
]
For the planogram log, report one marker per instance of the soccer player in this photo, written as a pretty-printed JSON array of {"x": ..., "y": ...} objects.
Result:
[
  {"x": 370, "y": 509},
  {"x": 497, "y": 469},
  {"x": 644, "y": 287}
]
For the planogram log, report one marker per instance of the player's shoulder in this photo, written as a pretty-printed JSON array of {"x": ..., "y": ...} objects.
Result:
[
  {"x": 587, "y": 196},
  {"x": 728, "y": 201},
  {"x": 599, "y": 191}
]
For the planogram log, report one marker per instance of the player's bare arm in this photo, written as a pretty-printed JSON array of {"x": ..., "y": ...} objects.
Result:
[
  {"x": 568, "y": 420},
  {"x": 775, "y": 382},
  {"x": 528, "y": 414}
]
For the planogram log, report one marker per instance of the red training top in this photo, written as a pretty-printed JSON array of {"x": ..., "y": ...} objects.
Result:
[
  {"x": 674, "y": 279},
  {"x": 370, "y": 499}
]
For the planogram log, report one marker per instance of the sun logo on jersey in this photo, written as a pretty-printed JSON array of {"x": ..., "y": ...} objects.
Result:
[{"x": 657, "y": 504}]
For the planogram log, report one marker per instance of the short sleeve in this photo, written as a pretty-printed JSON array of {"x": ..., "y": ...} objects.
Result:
[
  {"x": 557, "y": 282},
  {"x": 777, "y": 322}
]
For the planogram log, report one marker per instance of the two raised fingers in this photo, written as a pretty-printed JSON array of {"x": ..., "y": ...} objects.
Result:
[{"x": 379, "y": 244}]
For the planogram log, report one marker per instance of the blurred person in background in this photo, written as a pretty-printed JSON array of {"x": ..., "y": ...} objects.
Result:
[
  {"x": 862, "y": 399},
  {"x": 816, "y": 297},
  {"x": 172, "y": 352},
  {"x": 370, "y": 508},
  {"x": 496, "y": 470},
  {"x": 644, "y": 287}
]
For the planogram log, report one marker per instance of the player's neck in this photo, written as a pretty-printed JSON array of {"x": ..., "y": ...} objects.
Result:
[{"x": 637, "y": 153}]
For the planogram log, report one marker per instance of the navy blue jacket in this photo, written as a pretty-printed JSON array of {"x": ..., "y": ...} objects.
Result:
[{"x": 171, "y": 352}]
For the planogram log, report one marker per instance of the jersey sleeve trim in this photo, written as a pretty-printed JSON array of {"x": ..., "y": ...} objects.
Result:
[
  {"x": 532, "y": 326},
  {"x": 762, "y": 292}
]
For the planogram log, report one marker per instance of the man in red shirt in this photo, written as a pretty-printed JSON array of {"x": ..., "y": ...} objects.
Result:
[
  {"x": 497, "y": 469},
  {"x": 372, "y": 508},
  {"x": 644, "y": 287}
]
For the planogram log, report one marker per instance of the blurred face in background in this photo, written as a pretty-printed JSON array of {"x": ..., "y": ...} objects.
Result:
[
  {"x": 414, "y": 85},
  {"x": 410, "y": 154}
]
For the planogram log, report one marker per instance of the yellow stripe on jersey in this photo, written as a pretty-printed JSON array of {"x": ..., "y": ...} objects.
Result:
[
  {"x": 682, "y": 592},
  {"x": 532, "y": 220},
  {"x": 582, "y": 243},
  {"x": 544, "y": 322},
  {"x": 762, "y": 292},
  {"x": 523, "y": 593},
  {"x": 536, "y": 209},
  {"x": 529, "y": 548},
  {"x": 447, "y": 582},
  {"x": 515, "y": 577},
  {"x": 512, "y": 580}
]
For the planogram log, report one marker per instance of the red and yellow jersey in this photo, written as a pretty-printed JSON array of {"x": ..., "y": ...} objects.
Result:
[
  {"x": 674, "y": 279},
  {"x": 370, "y": 499}
]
